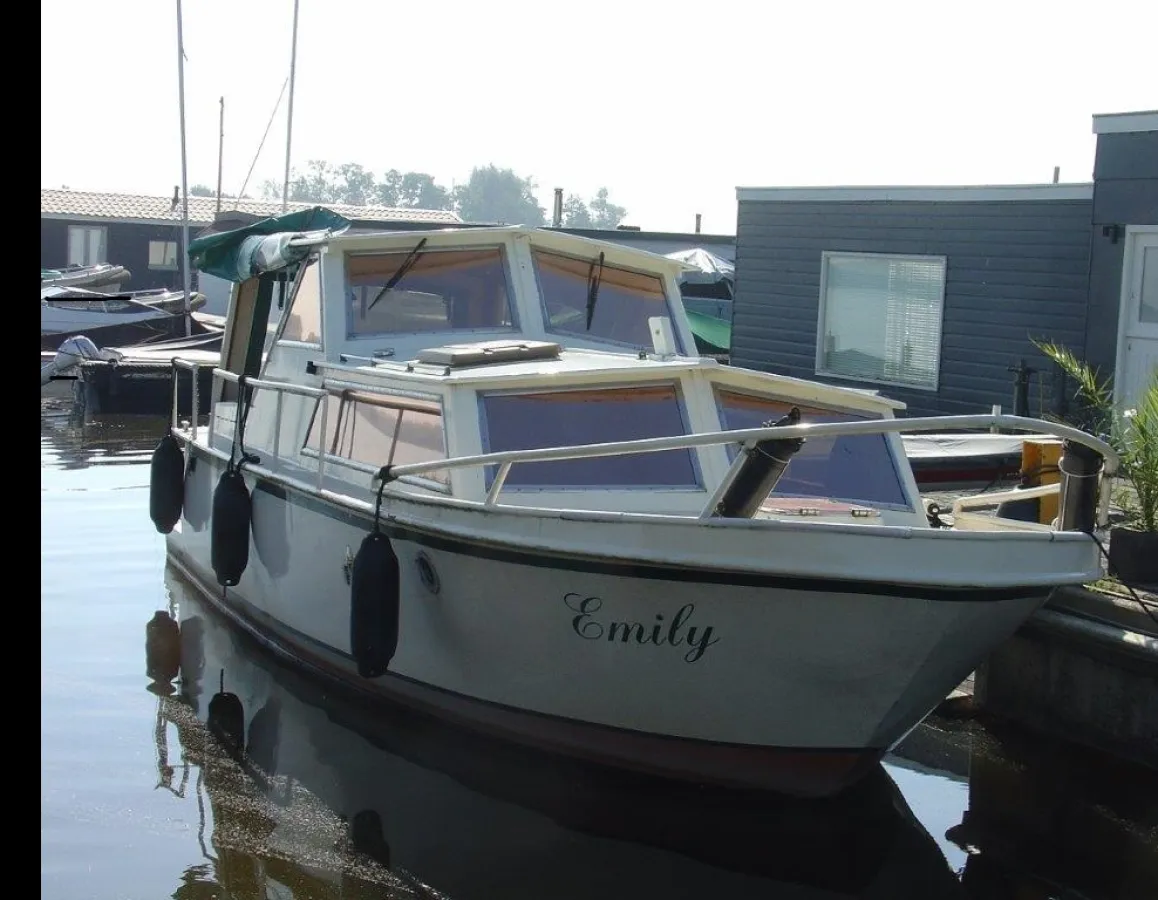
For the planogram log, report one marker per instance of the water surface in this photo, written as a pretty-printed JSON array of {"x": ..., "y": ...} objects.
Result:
[{"x": 146, "y": 794}]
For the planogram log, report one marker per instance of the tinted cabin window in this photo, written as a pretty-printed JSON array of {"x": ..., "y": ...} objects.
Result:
[
  {"x": 567, "y": 418},
  {"x": 382, "y": 431},
  {"x": 623, "y": 304},
  {"x": 304, "y": 322},
  {"x": 856, "y": 468},
  {"x": 443, "y": 290}
]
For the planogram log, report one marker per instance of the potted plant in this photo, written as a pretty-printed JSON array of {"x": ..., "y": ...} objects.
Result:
[{"x": 1133, "y": 433}]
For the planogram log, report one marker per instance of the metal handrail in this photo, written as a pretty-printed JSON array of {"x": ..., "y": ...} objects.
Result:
[
  {"x": 751, "y": 436},
  {"x": 747, "y": 437}
]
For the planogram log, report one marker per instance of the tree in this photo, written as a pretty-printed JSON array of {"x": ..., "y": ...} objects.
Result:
[
  {"x": 605, "y": 214},
  {"x": 498, "y": 195},
  {"x": 201, "y": 190},
  {"x": 419, "y": 191},
  {"x": 575, "y": 213}
]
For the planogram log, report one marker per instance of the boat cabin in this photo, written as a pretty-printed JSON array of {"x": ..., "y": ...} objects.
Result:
[{"x": 460, "y": 342}]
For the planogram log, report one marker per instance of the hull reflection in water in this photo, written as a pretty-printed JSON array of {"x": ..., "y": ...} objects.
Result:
[{"x": 421, "y": 804}]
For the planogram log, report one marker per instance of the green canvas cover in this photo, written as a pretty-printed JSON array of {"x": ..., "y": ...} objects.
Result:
[
  {"x": 263, "y": 246},
  {"x": 712, "y": 335}
]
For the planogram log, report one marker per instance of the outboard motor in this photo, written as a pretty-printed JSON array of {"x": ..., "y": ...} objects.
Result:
[
  {"x": 71, "y": 353},
  {"x": 762, "y": 467},
  {"x": 1078, "y": 498}
]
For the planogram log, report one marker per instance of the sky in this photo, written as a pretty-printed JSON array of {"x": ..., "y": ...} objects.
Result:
[{"x": 669, "y": 105}]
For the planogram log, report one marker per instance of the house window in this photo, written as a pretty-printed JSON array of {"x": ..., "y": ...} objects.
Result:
[
  {"x": 382, "y": 429},
  {"x": 87, "y": 245},
  {"x": 880, "y": 318},
  {"x": 524, "y": 421},
  {"x": 163, "y": 255}
]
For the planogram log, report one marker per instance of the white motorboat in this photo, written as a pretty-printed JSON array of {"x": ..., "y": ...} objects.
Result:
[{"x": 479, "y": 472}]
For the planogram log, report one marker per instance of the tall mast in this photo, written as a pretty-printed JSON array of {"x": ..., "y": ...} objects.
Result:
[
  {"x": 184, "y": 179},
  {"x": 289, "y": 126}
]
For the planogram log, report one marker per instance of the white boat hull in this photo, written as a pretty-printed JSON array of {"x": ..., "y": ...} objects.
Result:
[{"x": 792, "y": 683}]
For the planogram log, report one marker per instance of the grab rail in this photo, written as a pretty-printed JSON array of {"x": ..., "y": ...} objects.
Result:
[{"x": 747, "y": 437}]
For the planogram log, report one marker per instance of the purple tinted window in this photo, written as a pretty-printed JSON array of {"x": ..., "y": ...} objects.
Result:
[
  {"x": 857, "y": 468},
  {"x": 567, "y": 418}
]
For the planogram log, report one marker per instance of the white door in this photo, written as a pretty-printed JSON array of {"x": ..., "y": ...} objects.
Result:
[{"x": 1138, "y": 356}]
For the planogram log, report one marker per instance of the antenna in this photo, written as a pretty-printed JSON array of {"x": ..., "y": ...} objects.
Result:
[
  {"x": 184, "y": 180},
  {"x": 289, "y": 125}
]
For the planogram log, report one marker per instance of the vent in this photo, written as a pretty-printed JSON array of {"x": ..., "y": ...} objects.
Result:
[{"x": 482, "y": 353}]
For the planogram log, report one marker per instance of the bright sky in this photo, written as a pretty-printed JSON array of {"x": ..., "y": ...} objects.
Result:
[{"x": 670, "y": 105}]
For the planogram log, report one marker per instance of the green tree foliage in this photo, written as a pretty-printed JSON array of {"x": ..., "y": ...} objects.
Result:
[
  {"x": 498, "y": 195},
  {"x": 490, "y": 195},
  {"x": 598, "y": 213},
  {"x": 202, "y": 190}
]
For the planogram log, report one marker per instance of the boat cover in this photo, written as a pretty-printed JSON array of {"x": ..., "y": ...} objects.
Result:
[{"x": 264, "y": 246}]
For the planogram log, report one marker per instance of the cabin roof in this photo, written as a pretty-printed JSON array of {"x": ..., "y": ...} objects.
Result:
[
  {"x": 600, "y": 366},
  {"x": 546, "y": 237}
]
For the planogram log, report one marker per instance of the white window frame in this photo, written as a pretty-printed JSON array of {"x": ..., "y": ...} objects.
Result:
[
  {"x": 162, "y": 267},
  {"x": 822, "y": 316},
  {"x": 87, "y": 243}
]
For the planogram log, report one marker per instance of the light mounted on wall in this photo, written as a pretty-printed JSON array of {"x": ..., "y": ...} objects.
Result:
[{"x": 1113, "y": 232}]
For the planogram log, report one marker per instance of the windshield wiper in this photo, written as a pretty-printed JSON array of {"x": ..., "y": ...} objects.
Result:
[
  {"x": 407, "y": 264},
  {"x": 594, "y": 276}
]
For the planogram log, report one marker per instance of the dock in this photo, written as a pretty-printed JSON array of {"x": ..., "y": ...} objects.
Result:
[{"x": 141, "y": 382}]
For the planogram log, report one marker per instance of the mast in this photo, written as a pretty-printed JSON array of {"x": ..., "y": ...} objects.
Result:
[
  {"x": 184, "y": 179},
  {"x": 220, "y": 154},
  {"x": 289, "y": 126}
]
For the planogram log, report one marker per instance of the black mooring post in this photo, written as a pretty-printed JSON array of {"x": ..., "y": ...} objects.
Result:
[
  {"x": 1021, "y": 375},
  {"x": 1078, "y": 499}
]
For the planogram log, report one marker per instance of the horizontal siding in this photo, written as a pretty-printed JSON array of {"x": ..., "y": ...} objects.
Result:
[{"x": 1015, "y": 271}]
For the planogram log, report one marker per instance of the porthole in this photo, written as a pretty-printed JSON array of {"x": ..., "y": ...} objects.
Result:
[{"x": 426, "y": 573}]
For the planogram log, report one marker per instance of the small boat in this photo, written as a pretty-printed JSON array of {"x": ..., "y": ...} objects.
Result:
[
  {"x": 113, "y": 319},
  {"x": 99, "y": 275},
  {"x": 483, "y": 473}
]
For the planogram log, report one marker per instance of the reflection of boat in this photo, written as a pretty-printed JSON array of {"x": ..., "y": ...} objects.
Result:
[
  {"x": 523, "y": 506},
  {"x": 476, "y": 819}
]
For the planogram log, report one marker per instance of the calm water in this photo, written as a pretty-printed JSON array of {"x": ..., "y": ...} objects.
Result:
[{"x": 143, "y": 794}]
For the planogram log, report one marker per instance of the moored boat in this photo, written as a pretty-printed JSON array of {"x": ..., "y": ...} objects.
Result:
[{"x": 482, "y": 472}]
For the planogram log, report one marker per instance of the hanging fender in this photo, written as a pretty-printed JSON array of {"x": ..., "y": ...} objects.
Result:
[
  {"x": 374, "y": 605},
  {"x": 166, "y": 483},
  {"x": 229, "y": 527}
]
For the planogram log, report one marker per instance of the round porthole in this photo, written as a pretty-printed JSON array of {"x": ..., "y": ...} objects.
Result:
[{"x": 426, "y": 573}]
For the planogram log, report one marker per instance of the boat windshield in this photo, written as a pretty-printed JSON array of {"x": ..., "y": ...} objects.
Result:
[
  {"x": 589, "y": 298},
  {"x": 439, "y": 290},
  {"x": 851, "y": 468}
]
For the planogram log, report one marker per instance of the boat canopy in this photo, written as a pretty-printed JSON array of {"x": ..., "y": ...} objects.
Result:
[{"x": 264, "y": 246}]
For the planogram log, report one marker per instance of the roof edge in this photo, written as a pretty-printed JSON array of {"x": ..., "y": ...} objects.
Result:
[
  {"x": 1124, "y": 122},
  {"x": 978, "y": 193}
]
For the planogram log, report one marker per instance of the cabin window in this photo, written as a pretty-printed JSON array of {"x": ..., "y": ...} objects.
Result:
[
  {"x": 594, "y": 416},
  {"x": 381, "y": 429},
  {"x": 880, "y": 318},
  {"x": 304, "y": 322},
  {"x": 624, "y": 300},
  {"x": 852, "y": 468},
  {"x": 163, "y": 255},
  {"x": 87, "y": 245},
  {"x": 440, "y": 290}
]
